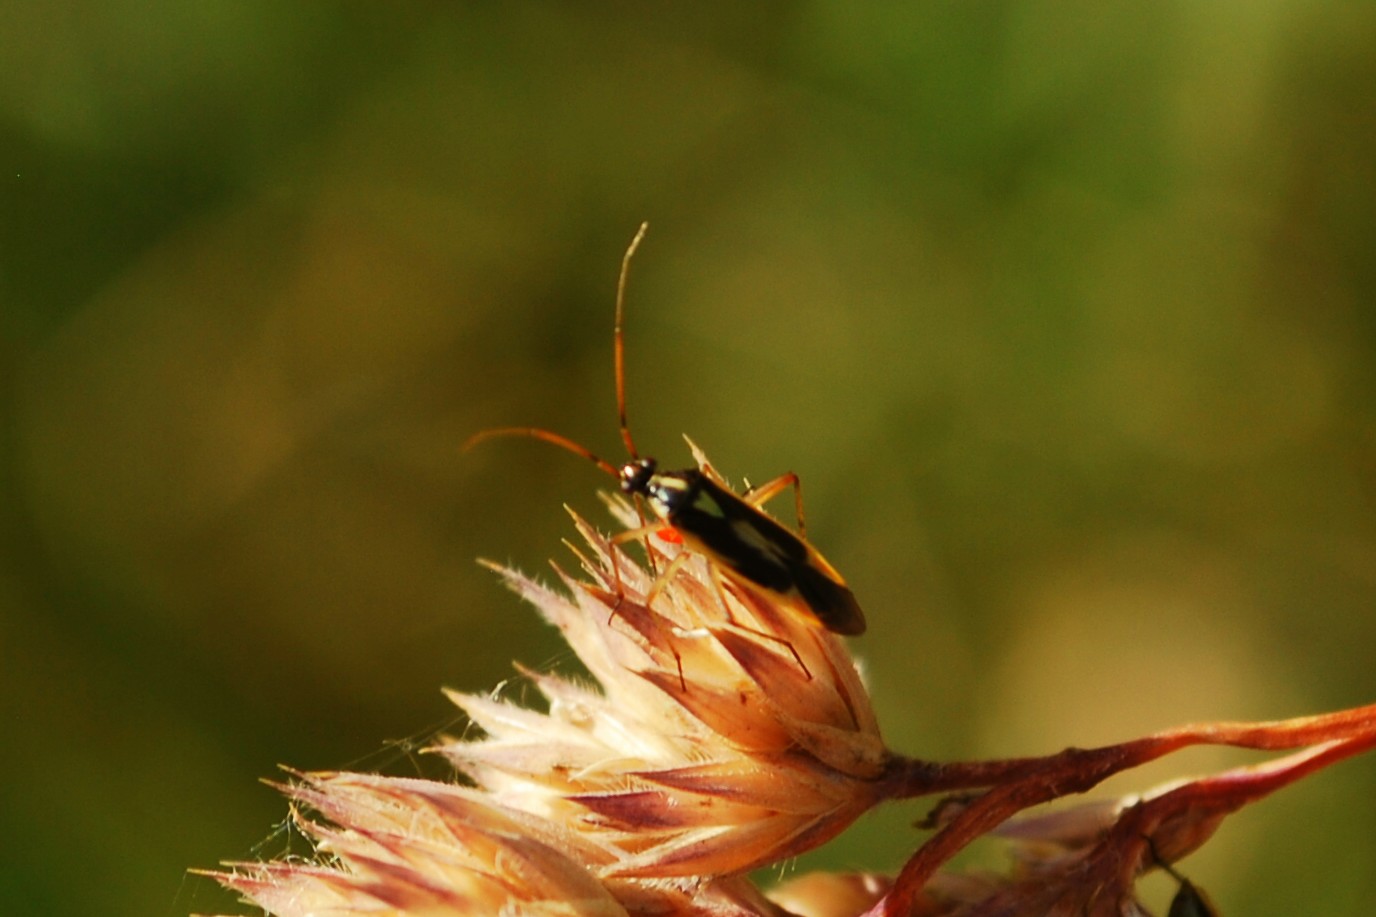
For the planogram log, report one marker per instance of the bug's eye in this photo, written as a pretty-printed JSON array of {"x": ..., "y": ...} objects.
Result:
[{"x": 635, "y": 476}]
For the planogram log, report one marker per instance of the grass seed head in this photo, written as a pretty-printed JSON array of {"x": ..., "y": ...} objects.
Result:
[{"x": 725, "y": 731}]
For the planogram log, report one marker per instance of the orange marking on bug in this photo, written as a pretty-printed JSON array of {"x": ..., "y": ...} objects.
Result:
[{"x": 670, "y": 534}]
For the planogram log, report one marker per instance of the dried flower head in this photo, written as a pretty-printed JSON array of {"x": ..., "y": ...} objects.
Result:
[
  {"x": 728, "y": 731},
  {"x": 409, "y": 847},
  {"x": 725, "y": 730}
]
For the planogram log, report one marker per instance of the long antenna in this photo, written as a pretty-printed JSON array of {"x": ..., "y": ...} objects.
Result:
[
  {"x": 563, "y": 442},
  {"x": 618, "y": 341}
]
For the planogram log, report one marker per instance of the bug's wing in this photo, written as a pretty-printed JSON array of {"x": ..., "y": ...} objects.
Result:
[{"x": 829, "y": 598}]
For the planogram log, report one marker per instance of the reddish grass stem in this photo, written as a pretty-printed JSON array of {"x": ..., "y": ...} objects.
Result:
[{"x": 1018, "y": 783}]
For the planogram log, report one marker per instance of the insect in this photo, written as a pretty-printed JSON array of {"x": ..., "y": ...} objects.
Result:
[
  {"x": 1189, "y": 899},
  {"x": 742, "y": 543}
]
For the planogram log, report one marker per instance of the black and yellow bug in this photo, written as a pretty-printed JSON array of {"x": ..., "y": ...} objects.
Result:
[{"x": 741, "y": 542}]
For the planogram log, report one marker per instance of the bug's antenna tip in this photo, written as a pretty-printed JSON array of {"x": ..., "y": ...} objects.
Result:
[{"x": 475, "y": 439}]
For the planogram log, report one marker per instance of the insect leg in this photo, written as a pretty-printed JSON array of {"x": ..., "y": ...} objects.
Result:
[
  {"x": 656, "y": 587},
  {"x": 640, "y": 532},
  {"x": 721, "y": 597},
  {"x": 759, "y": 496},
  {"x": 662, "y": 580}
]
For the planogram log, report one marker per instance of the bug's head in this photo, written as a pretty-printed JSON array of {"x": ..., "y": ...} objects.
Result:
[{"x": 635, "y": 475}]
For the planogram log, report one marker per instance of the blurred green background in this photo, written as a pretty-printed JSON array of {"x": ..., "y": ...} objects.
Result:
[{"x": 1063, "y": 313}]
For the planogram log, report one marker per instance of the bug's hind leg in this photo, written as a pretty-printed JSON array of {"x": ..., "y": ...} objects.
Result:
[
  {"x": 721, "y": 597},
  {"x": 759, "y": 496}
]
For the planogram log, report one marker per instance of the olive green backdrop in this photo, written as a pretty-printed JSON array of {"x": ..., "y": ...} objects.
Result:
[{"x": 1064, "y": 313}]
